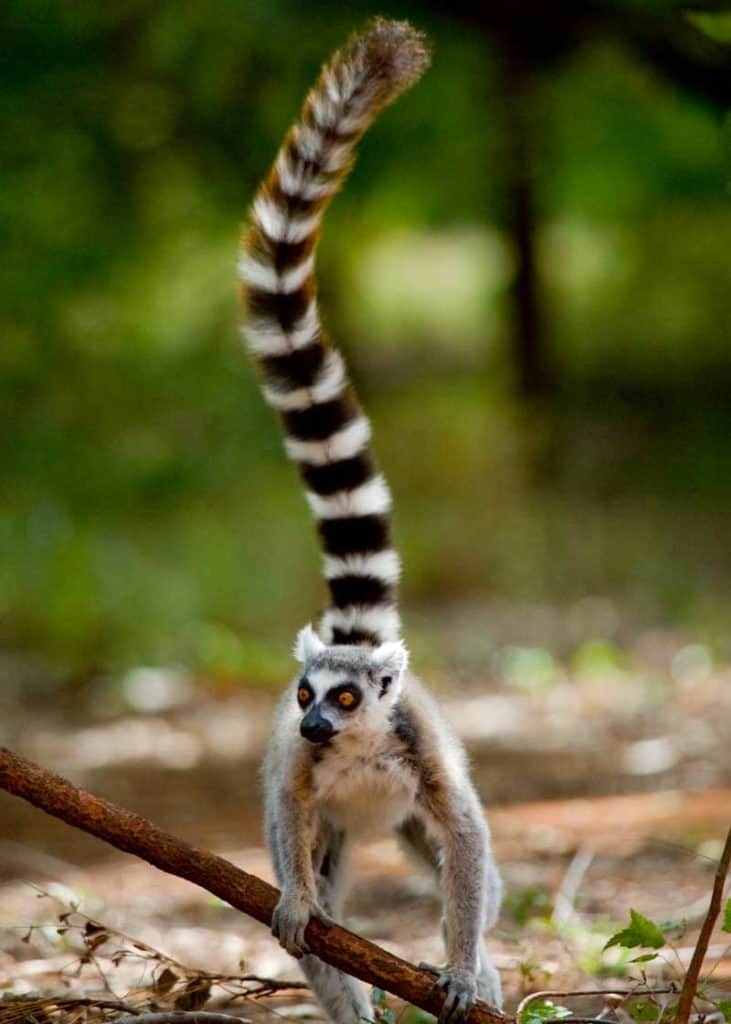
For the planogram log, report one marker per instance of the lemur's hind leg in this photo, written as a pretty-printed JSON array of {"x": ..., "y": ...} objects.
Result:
[
  {"x": 343, "y": 998},
  {"x": 488, "y": 979},
  {"x": 418, "y": 844},
  {"x": 489, "y": 987}
]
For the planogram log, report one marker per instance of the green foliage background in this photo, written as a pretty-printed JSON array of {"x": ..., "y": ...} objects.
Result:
[{"x": 148, "y": 514}]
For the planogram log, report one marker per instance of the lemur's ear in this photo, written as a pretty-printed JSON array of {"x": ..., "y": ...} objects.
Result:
[
  {"x": 391, "y": 658},
  {"x": 307, "y": 645}
]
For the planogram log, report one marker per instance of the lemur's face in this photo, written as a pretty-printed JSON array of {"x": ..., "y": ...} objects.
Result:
[{"x": 346, "y": 689}]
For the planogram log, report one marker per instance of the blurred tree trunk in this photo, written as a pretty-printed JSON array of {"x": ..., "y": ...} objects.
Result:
[
  {"x": 527, "y": 328},
  {"x": 532, "y": 37}
]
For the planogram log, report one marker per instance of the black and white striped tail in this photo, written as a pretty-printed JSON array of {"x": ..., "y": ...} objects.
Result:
[{"x": 304, "y": 378}]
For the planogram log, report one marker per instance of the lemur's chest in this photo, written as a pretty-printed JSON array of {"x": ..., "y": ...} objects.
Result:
[{"x": 365, "y": 788}]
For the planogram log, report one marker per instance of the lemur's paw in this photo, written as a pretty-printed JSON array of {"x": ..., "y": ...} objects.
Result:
[
  {"x": 460, "y": 988},
  {"x": 290, "y": 919}
]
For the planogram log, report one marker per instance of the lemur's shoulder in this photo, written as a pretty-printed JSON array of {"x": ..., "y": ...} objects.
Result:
[{"x": 420, "y": 723}]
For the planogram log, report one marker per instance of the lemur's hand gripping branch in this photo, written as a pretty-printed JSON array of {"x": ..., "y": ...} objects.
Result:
[{"x": 134, "y": 834}]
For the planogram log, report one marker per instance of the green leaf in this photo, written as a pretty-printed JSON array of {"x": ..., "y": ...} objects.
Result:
[
  {"x": 643, "y": 1011},
  {"x": 726, "y": 926},
  {"x": 725, "y": 1007},
  {"x": 543, "y": 1010},
  {"x": 644, "y": 959},
  {"x": 641, "y": 932}
]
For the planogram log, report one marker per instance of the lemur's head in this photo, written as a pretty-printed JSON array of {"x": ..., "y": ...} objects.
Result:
[{"x": 346, "y": 687}]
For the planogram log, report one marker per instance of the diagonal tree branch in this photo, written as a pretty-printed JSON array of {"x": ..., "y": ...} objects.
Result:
[{"x": 129, "y": 832}]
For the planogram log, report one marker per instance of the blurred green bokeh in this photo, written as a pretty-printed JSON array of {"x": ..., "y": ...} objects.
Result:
[{"x": 148, "y": 514}]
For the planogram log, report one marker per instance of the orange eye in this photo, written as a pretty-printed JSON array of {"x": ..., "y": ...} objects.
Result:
[
  {"x": 303, "y": 695},
  {"x": 346, "y": 699}
]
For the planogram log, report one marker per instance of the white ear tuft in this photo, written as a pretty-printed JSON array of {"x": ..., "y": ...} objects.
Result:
[
  {"x": 391, "y": 657},
  {"x": 307, "y": 645}
]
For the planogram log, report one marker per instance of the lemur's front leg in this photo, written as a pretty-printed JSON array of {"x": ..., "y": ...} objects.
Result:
[
  {"x": 296, "y": 828},
  {"x": 465, "y": 848}
]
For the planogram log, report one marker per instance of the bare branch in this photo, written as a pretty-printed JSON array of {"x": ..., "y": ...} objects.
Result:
[
  {"x": 690, "y": 983},
  {"x": 133, "y": 834}
]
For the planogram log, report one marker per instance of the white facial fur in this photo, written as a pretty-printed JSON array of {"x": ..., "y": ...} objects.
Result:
[{"x": 376, "y": 673}]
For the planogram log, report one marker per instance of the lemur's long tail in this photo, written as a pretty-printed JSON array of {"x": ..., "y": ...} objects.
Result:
[{"x": 326, "y": 432}]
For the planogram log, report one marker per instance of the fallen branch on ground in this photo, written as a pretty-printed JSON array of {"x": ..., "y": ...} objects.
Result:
[
  {"x": 181, "y": 1017},
  {"x": 133, "y": 834},
  {"x": 690, "y": 984}
]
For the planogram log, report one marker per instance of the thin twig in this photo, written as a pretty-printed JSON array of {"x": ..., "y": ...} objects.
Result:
[
  {"x": 690, "y": 983},
  {"x": 639, "y": 990},
  {"x": 719, "y": 960},
  {"x": 233, "y": 984},
  {"x": 182, "y": 1017},
  {"x": 267, "y": 983}
]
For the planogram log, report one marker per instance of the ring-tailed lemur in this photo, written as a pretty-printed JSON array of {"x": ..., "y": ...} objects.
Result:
[{"x": 357, "y": 743}]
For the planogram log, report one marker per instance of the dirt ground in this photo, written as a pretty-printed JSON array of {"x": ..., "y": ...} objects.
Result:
[{"x": 605, "y": 792}]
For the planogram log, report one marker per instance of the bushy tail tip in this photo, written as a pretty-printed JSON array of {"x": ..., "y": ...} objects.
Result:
[{"x": 393, "y": 54}]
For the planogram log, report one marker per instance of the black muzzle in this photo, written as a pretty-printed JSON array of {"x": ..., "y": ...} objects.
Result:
[{"x": 315, "y": 728}]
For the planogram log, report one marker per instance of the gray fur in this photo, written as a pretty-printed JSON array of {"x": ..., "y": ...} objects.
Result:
[{"x": 394, "y": 763}]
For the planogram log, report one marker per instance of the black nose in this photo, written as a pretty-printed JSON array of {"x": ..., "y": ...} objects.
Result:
[{"x": 315, "y": 728}]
